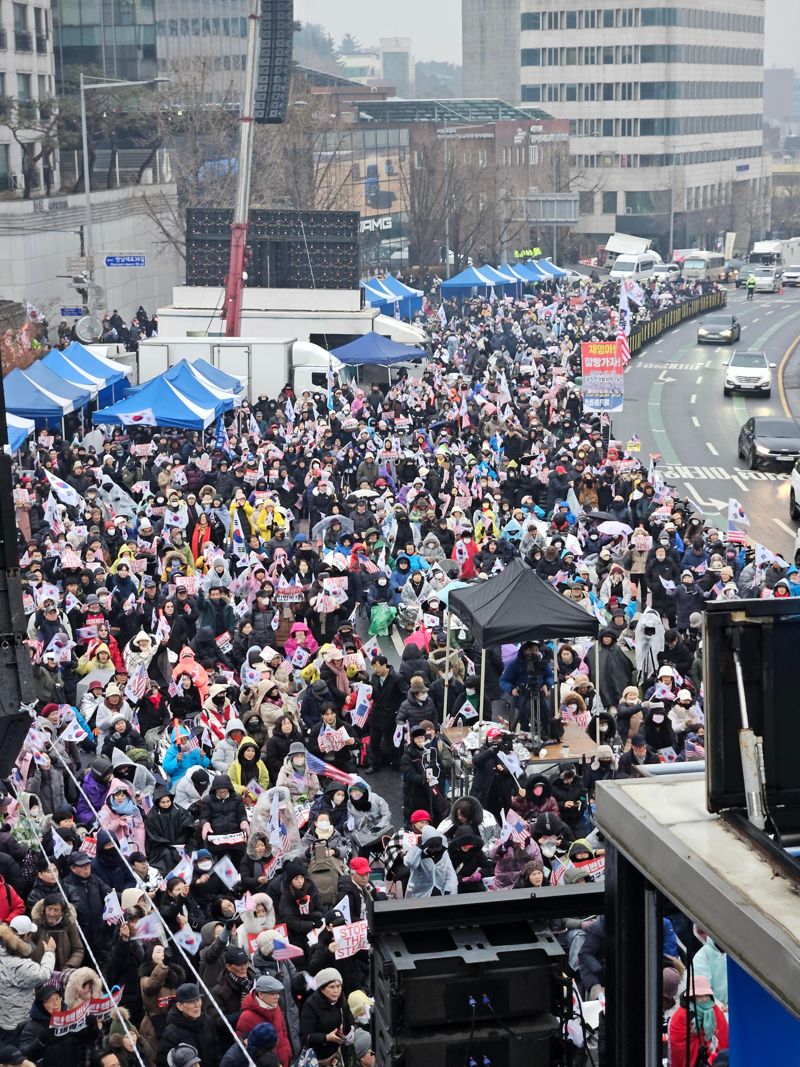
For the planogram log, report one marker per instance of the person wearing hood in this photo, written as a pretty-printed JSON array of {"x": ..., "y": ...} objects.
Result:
[
  {"x": 534, "y": 797},
  {"x": 258, "y": 866},
  {"x": 533, "y": 876},
  {"x": 295, "y": 776},
  {"x": 617, "y": 670},
  {"x": 159, "y": 977},
  {"x": 108, "y": 865},
  {"x": 182, "y": 755},
  {"x": 414, "y": 663},
  {"x": 300, "y": 907},
  {"x": 285, "y": 733},
  {"x": 470, "y": 863},
  {"x": 54, "y": 918},
  {"x": 300, "y": 638},
  {"x": 418, "y": 705},
  {"x": 166, "y": 826},
  {"x": 187, "y": 664},
  {"x": 247, "y": 772},
  {"x": 368, "y": 818},
  {"x": 94, "y": 790},
  {"x": 191, "y": 790},
  {"x": 227, "y": 749},
  {"x": 19, "y": 973},
  {"x": 120, "y": 815},
  {"x": 553, "y": 837},
  {"x": 510, "y": 858},
  {"x": 431, "y": 868},
  {"x": 468, "y": 811},
  {"x": 333, "y": 801},
  {"x": 526, "y": 677},
  {"x": 285, "y": 972},
  {"x": 570, "y": 793},
  {"x": 657, "y": 727},
  {"x": 121, "y": 736},
  {"x": 315, "y": 699},
  {"x": 222, "y": 812},
  {"x": 258, "y": 916},
  {"x": 688, "y": 598}
]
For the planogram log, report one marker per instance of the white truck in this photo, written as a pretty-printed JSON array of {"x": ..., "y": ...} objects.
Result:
[
  {"x": 263, "y": 364},
  {"x": 775, "y": 253}
]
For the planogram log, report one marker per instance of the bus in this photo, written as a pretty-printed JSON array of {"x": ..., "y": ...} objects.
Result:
[{"x": 706, "y": 266}]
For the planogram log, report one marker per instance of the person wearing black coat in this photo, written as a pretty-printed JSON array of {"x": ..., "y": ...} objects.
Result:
[
  {"x": 284, "y": 734},
  {"x": 469, "y": 861},
  {"x": 165, "y": 826},
  {"x": 300, "y": 906},
  {"x": 413, "y": 771},
  {"x": 188, "y": 1024},
  {"x": 37, "y": 1040},
  {"x": 353, "y": 969},
  {"x": 570, "y": 793},
  {"x": 127, "y": 956},
  {"x": 388, "y": 693},
  {"x": 222, "y": 812},
  {"x": 636, "y": 755},
  {"x": 87, "y": 893},
  {"x": 325, "y": 1012}
]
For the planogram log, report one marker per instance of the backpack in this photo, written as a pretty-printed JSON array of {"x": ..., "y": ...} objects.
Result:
[{"x": 325, "y": 872}]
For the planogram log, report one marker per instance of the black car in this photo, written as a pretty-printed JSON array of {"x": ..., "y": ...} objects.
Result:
[
  {"x": 769, "y": 439},
  {"x": 720, "y": 328}
]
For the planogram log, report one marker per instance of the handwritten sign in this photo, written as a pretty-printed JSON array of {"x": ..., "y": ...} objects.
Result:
[{"x": 350, "y": 939}]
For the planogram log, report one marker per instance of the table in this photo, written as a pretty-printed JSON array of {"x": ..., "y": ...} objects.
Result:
[{"x": 580, "y": 744}]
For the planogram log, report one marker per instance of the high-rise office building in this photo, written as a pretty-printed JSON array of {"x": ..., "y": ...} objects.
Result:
[
  {"x": 145, "y": 39},
  {"x": 664, "y": 103},
  {"x": 397, "y": 64}
]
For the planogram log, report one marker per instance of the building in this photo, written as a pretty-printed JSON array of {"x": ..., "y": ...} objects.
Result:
[
  {"x": 779, "y": 88},
  {"x": 136, "y": 42},
  {"x": 431, "y": 174},
  {"x": 26, "y": 77},
  {"x": 664, "y": 104},
  {"x": 362, "y": 66},
  {"x": 397, "y": 64}
]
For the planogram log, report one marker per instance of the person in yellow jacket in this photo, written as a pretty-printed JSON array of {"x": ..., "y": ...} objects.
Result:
[
  {"x": 248, "y": 773},
  {"x": 243, "y": 510},
  {"x": 269, "y": 518}
]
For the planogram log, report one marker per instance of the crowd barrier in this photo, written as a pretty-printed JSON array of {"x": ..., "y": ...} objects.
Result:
[{"x": 665, "y": 320}]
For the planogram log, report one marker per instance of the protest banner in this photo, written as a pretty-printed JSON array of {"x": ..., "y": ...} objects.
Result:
[
  {"x": 349, "y": 939},
  {"x": 601, "y": 369}
]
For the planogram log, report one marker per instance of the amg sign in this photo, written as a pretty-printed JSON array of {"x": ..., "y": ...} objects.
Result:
[{"x": 371, "y": 225}]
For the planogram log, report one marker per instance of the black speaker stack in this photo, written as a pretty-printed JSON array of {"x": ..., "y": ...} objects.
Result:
[
  {"x": 472, "y": 981},
  {"x": 274, "y": 61}
]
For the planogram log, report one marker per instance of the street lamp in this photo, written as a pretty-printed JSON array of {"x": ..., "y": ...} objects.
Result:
[{"x": 99, "y": 83}]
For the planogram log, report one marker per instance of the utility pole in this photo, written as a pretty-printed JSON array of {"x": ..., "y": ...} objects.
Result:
[{"x": 234, "y": 282}]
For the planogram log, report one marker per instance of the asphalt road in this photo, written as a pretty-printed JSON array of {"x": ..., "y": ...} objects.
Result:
[{"x": 674, "y": 403}]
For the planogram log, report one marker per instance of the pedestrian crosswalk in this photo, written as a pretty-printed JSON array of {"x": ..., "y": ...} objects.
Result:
[
  {"x": 643, "y": 365},
  {"x": 719, "y": 474}
]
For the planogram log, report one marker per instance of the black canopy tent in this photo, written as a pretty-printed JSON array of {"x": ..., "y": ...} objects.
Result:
[{"x": 515, "y": 605}]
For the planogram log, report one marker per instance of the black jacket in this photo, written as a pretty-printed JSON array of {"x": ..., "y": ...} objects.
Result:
[
  {"x": 87, "y": 895},
  {"x": 387, "y": 696},
  {"x": 628, "y": 762},
  {"x": 200, "y": 1033},
  {"x": 318, "y": 1018}
]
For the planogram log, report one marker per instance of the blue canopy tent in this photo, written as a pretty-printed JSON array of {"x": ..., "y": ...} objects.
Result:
[
  {"x": 19, "y": 430},
  {"x": 219, "y": 378},
  {"x": 374, "y": 349},
  {"x": 468, "y": 279},
  {"x": 158, "y": 402},
  {"x": 392, "y": 296},
  {"x": 550, "y": 268},
  {"x": 515, "y": 270},
  {"x": 29, "y": 400},
  {"x": 78, "y": 365},
  {"x": 500, "y": 279},
  {"x": 534, "y": 271},
  {"x": 204, "y": 394},
  {"x": 79, "y": 395}
]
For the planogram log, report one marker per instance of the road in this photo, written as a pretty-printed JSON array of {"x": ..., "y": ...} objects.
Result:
[{"x": 674, "y": 403}]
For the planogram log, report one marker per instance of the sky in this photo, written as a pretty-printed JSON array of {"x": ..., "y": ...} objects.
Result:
[
  {"x": 782, "y": 34},
  {"x": 434, "y": 26}
]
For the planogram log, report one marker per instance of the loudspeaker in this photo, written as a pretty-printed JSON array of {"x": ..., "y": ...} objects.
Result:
[
  {"x": 531, "y": 1043},
  {"x": 274, "y": 61}
]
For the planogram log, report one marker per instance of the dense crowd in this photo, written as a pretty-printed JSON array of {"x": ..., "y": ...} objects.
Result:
[{"x": 193, "y": 837}]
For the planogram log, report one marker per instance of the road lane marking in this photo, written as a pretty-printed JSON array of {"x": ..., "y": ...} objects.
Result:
[
  {"x": 695, "y": 420},
  {"x": 740, "y": 483},
  {"x": 699, "y": 379},
  {"x": 711, "y": 449},
  {"x": 785, "y": 528},
  {"x": 781, "y": 368},
  {"x": 693, "y": 398},
  {"x": 754, "y": 321},
  {"x": 720, "y": 474}
]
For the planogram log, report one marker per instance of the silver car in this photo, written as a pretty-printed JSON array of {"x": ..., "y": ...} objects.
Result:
[{"x": 791, "y": 275}]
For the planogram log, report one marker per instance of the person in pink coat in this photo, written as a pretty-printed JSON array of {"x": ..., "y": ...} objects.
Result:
[
  {"x": 300, "y": 637},
  {"x": 121, "y": 815}
]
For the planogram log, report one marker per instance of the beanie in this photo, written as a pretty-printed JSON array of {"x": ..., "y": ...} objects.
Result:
[
  {"x": 326, "y": 976},
  {"x": 262, "y": 1038}
]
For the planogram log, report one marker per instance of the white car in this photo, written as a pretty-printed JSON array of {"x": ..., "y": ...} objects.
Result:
[
  {"x": 791, "y": 275},
  {"x": 768, "y": 279},
  {"x": 669, "y": 272},
  {"x": 748, "y": 372},
  {"x": 574, "y": 277},
  {"x": 794, "y": 497}
]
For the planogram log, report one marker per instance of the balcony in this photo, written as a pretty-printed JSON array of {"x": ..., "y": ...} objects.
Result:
[
  {"x": 41, "y": 44},
  {"x": 23, "y": 41}
]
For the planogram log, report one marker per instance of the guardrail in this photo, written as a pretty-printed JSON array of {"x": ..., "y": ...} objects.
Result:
[{"x": 669, "y": 317}]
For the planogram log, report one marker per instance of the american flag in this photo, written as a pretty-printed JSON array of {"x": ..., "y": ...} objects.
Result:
[
  {"x": 736, "y": 537},
  {"x": 285, "y": 950},
  {"x": 318, "y": 766},
  {"x": 623, "y": 351},
  {"x": 514, "y": 828}
]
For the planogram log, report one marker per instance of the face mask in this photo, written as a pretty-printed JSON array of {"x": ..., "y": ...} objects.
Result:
[
  {"x": 658, "y": 718},
  {"x": 204, "y": 866},
  {"x": 706, "y": 1018},
  {"x": 548, "y": 849},
  {"x": 538, "y": 790}
]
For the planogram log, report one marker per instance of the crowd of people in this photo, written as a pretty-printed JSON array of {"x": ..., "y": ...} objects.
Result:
[{"x": 194, "y": 835}]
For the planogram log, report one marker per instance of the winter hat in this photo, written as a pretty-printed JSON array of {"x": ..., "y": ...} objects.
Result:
[
  {"x": 63, "y": 811},
  {"x": 603, "y": 752},
  {"x": 326, "y": 976},
  {"x": 262, "y": 1038},
  {"x": 695, "y": 620},
  {"x": 265, "y": 942},
  {"x": 292, "y": 868},
  {"x": 297, "y": 748},
  {"x": 358, "y": 1002},
  {"x": 420, "y": 816},
  {"x": 362, "y": 1043},
  {"x": 417, "y": 685},
  {"x": 235, "y": 955},
  {"x": 548, "y": 824},
  {"x": 700, "y": 987},
  {"x": 183, "y": 1056},
  {"x": 187, "y": 992},
  {"x": 129, "y": 898},
  {"x": 266, "y": 983}
]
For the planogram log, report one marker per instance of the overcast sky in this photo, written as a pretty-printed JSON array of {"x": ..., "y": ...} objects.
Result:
[{"x": 434, "y": 26}]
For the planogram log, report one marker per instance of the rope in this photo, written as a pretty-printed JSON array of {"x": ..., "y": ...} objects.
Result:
[{"x": 161, "y": 919}]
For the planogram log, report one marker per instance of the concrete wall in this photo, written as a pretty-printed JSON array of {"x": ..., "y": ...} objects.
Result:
[
  {"x": 39, "y": 236},
  {"x": 490, "y": 33}
]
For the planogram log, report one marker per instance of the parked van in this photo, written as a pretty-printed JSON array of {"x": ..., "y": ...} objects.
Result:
[{"x": 640, "y": 267}]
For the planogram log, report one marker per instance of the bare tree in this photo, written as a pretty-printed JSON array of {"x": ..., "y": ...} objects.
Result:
[{"x": 34, "y": 127}]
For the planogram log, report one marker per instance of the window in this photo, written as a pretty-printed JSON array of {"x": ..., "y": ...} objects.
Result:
[
  {"x": 533, "y": 154},
  {"x": 531, "y": 57},
  {"x": 483, "y": 157},
  {"x": 570, "y": 93},
  {"x": 531, "y": 94},
  {"x": 608, "y": 127},
  {"x": 609, "y": 203},
  {"x": 586, "y": 203},
  {"x": 5, "y": 175},
  {"x": 20, "y": 18},
  {"x": 531, "y": 20},
  {"x": 418, "y": 159},
  {"x": 608, "y": 91},
  {"x": 648, "y": 202},
  {"x": 608, "y": 19},
  {"x": 608, "y": 54},
  {"x": 23, "y": 88},
  {"x": 571, "y": 20}
]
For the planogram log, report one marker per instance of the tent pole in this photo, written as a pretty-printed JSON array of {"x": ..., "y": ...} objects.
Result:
[
  {"x": 483, "y": 683},
  {"x": 598, "y": 702},
  {"x": 556, "y": 683},
  {"x": 446, "y": 668}
]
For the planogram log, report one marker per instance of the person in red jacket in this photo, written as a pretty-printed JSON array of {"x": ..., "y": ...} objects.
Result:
[
  {"x": 11, "y": 904},
  {"x": 261, "y": 1006},
  {"x": 464, "y": 554},
  {"x": 708, "y": 1030}
]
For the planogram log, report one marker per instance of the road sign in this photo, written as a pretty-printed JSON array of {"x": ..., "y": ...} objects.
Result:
[
  {"x": 71, "y": 313},
  {"x": 78, "y": 264},
  {"x": 131, "y": 259}
]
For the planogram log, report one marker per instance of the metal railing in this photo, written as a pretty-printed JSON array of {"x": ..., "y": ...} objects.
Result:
[{"x": 669, "y": 317}]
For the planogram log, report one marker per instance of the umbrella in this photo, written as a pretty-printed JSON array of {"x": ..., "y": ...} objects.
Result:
[
  {"x": 605, "y": 516},
  {"x": 444, "y": 593},
  {"x": 362, "y": 494},
  {"x": 615, "y": 528},
  {"x": 323, "y": 524}
]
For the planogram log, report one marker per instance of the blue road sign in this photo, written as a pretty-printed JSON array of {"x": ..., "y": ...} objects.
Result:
[
  {"x": 71, "y": 313},
  {"x": 126, "y": 261}
]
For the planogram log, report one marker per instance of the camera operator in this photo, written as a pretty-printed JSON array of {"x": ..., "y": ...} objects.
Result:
[{"x": 528, "y": 680}]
